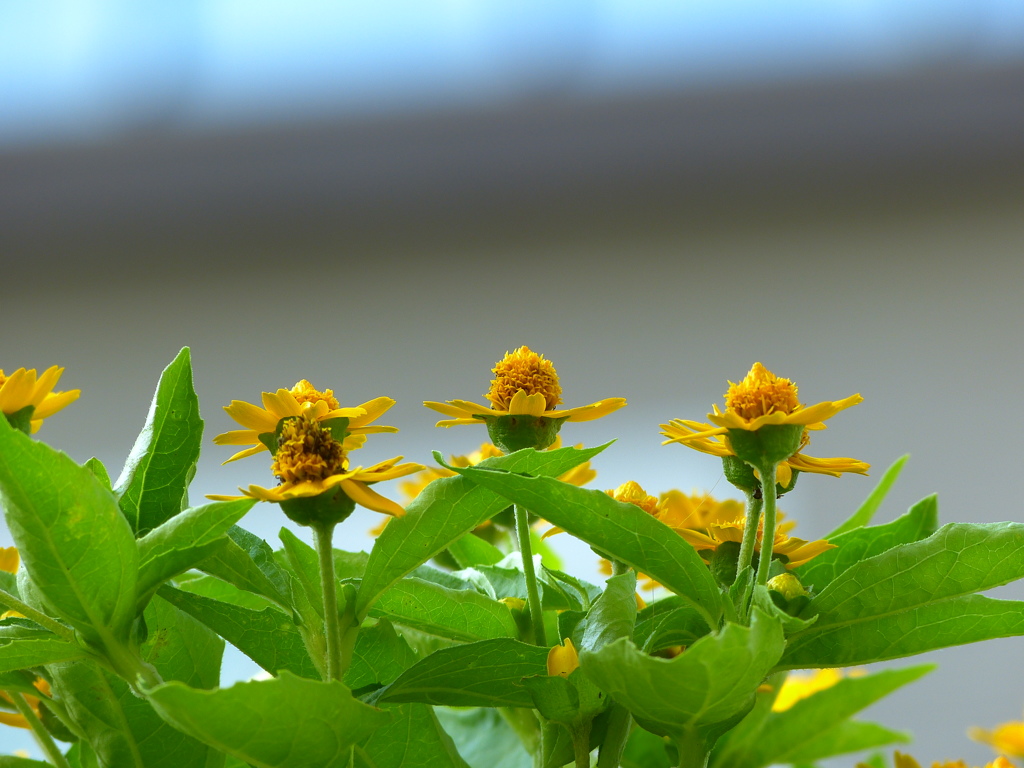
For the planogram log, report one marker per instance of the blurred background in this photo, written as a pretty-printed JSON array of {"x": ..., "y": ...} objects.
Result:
[{"x": 384, "y": 198}]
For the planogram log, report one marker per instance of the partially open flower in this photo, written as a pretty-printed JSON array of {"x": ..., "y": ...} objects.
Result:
[
  {"x": 1006, "y": 737},
  {"x": 310, "y": 463},
  {"x": 301, "y": 399},
  {"x": 524, "y": 396},
  {"x": 22, "y": 390},
  {"x": 562, "y": 659}
]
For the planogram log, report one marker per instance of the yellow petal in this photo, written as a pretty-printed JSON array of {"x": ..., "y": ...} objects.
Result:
[
  {"x": 834, "y": 467},
  {"x": 372, "y": 410},
  {"x": 592, "y": 411},
  {"x": 562, "y": 659},
  {"x": 457, "y": 422},
  {"x": 365, "y": 497},
  {"x": 45, "y": 384},
  {"x": 259, "y": 448},
  {"x": 9, "y": 559},
  {"x": 54, "y": 402},
  {"x": 281, "y": 404},
  {"x": 17, "y": 390},
  {"x": 371, "y": 430},
  {"x": 251, "y": 416},
  {"x": 552, "y": 531},
  {"x": 783, "y": 475},
  {"x": 237, "y": 437},
  {"x": 523, "y": 404}
]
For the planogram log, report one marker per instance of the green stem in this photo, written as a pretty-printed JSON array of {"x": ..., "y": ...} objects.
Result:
[
  {"x": 532, "y": 594},
  {"x": 10, "y": 601},
  {"x": 581, "y": 744},
  {"x": 768, "y": 490},
  {"x": 42, "y": 735},
  {"x": 693, "y": 752},
  {"x": 322, "y": 537},
  {"x": 749, "y": 533}
]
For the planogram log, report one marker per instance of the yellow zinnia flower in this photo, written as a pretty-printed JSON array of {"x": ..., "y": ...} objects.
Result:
[
  {"x": 22, "y": 389},
  {"x": 525, "y": 384},
  {"x": 562, "y": 659},
  {"x": 906, "y": 761},
  {"x": 303, "y": 398},
  {"x": 17, "y": 720},
  {"x": 310, "y": 462},
  {"x": 1007, "y": 737}
]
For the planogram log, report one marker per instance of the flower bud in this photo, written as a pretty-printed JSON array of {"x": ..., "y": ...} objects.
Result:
[{"x": 562, "y": 659}]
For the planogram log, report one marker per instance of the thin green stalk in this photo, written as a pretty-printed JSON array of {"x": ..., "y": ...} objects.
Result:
[
  {"x": 581, "y": 745},
  {"x": 768, "y": 490},
  {"x": 749, "y": 533},
  {"x": 693, "y": 752},
  {"x": 11, "y": 602},
  {"x": 42, "y": 735},
  {"x": 322, "y": 537},
  {"x": 532, "y": 594}
]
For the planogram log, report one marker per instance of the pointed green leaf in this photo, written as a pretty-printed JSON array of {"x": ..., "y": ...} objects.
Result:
[
  {"x": 8, "y": 761},
  {"x": 471, "y": 550},
  {"x": 413, "y": 739},
  {"x": 153, "y": 486},
  {"x": 668, "y": 622},
  {"x": 446, "y": 510},
  {"x": 623, "y": 530},
  {"x": 851, "y": 736},
  {"x": 612, "y": 616},
  {"x": 26, "y": 653},
  {"x": 874, "y": 500},
  {"x": 72, "y": 538},
  {"x": 184, "y": 541},
  {"x": 284, "y": 722},
  {"x": 482, "y": 674},
  {"x": 807, "y": 730},
  {"x": 97, "y": 467},
  {"x": 457, "y": 615},
  {"x": 379, "y": 657},
  {"x": 712, "y": 683},
  {"x": 915, "y": 597},
  {"x": 247, "y": 562},
  {"x": 859, "y": 544},
  {"x": 269, "y": 637}
]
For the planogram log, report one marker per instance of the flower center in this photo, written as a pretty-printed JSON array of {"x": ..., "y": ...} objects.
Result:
[
  {"x": 526, "y": 370},
  {"x": 631, "y": 493},
  {"x": 307, "y": 452},
  {"x": 305, "y": 392},
  {"x": 761, "y": 392}
]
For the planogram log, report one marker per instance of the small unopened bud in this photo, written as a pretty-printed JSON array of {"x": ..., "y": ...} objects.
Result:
[
  {"x": 787, "y": 585},
  {"x": 562, "y": 659}
]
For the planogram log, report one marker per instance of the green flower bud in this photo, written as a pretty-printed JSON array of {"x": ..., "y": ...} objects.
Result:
[
  {"x": 329, "y": 508},
  {"x": 513, "y": 433},
  {"x": 769, "y": 444}
]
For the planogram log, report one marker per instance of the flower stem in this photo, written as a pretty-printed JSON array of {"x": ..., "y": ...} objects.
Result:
[
  {"x": 749, "y": 533},
  {"x": 532, "y": 594},
  {"x": 10, "y": 601},
  {"x": 42, "y": 735},
  {"x": 322, "y": 537},
  {"x": 768, "y": 490},
  {"x": 581, "y": 744}
]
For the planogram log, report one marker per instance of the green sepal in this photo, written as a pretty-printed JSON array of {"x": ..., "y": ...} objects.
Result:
[
  {"x": 513, "y": 433},
  {"x": 741, "y": 474},
  {"x": 22, "y": 419},
  {"x": 770, "y": 444},
  {"x": 328, "y": 508},
  {"x": 337, "y": 427}
]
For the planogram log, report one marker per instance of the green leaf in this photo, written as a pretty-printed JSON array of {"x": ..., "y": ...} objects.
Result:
[
  {"x": 471, "y": 550},
  {"x": 379, "y": 657},
  {"x": 97, "y": 467},
  {"x": 646, "y": 750},
  {"x": 269, "y": 637},
  {"x": 484, "y": 738},
  {"x": 26, "y": 653},
  {"x": 121, "y": 727},
  {"x": 153, "y": 486},
  {"x": 413, "y": 739},
  {"x": 915, "y": 597},
  {"x": 247, "y": 561},
  {"x": 666, "y": 623},
  {"x": 482, "y": 674},
  {"x": 184, "y": 541},
  {"x": 874, "y": 500},
  {"x": 457, "y": 615},
  {"x": 816, "y": 727},
  {"x": 446, "y": 510},
  {"x": 284, "y": 722},
  {"x": 859, "y": 544},
  {"x": 7, "y": 761},
  {"x": 623, "y": 530},
  {"x": 702, "y": 691},
  {"x": 73, "y": 540},
  {"x": 612, "y": 616}
]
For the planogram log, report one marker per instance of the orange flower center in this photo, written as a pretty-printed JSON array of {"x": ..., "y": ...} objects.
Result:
[
  {"x": 631, "y": 493},
  {"x": 305, "y": 392},
  {"x": 307, "y": 452},
  {"x": 526, "y": 370},
  {"x": 761, "y": 392}
]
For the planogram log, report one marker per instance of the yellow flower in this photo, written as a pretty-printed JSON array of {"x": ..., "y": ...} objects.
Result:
[
  {"x": 1006, "y": 737},
  {"x": 705, "y": 438},
  {"x": 906, "y": 761},
  {"x": 303, "y": 398},
  {"x": 525, "y": 384},
  {"x": 800, "y": 686},
  {"x": 310, "y": 462},
  {"x": 562, "y": 659},
  {"x": 718, "y": 527},
  {"x": 22, "y": 389},
  {"x": 18, "y": 720},
  {"x": 9, "y": 559}
]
